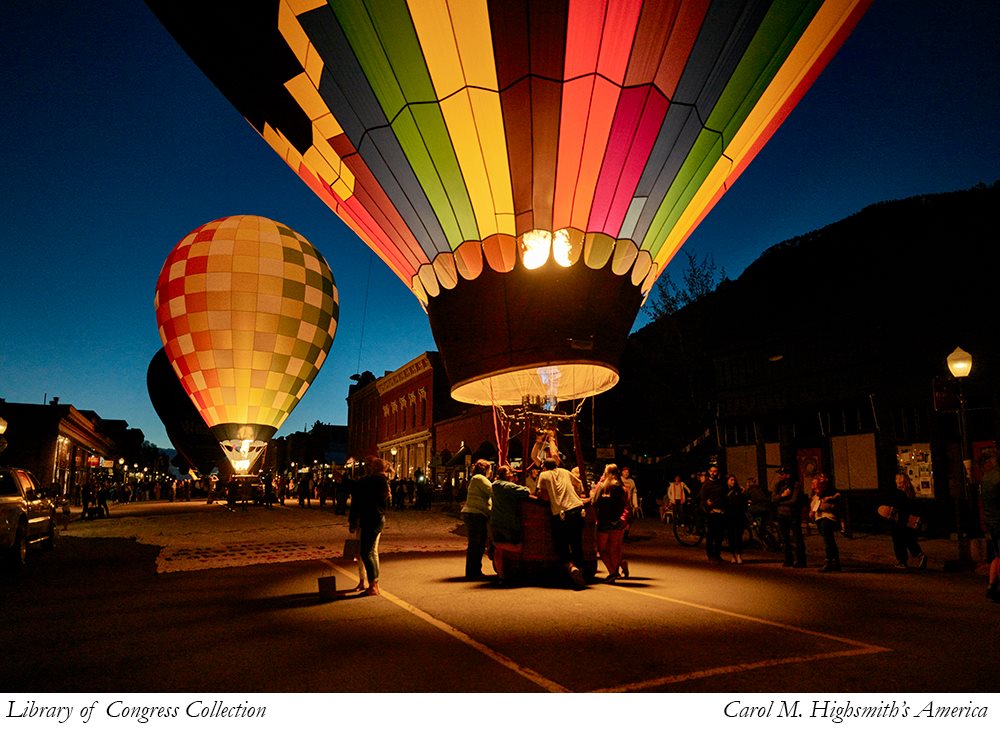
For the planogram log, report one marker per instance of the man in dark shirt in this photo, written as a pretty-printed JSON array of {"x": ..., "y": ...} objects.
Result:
[
  {"x": 505, "y": 522},
  {"x": 787, "y": 499},
  {"x": 713, "y": 506}
]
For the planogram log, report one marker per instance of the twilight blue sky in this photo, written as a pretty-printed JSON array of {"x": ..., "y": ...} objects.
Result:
[{"x": 113, "y": 146}]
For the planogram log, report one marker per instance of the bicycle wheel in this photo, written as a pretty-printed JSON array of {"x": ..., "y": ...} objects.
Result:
[
  {"x": 770, "y": 537},
  {"x": 688, "y": 532}
]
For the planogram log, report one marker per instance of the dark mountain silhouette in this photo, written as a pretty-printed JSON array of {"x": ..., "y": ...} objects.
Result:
[{"x": 874, "y": 301}]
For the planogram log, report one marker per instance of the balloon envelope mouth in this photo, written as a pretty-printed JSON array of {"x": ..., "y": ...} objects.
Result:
[
  {"x": 558, "y": 382},
  {"x": 243, "y": 444}
]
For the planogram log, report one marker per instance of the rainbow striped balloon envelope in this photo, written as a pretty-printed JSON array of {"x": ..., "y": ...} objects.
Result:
[
  {"x": 247, "y": 311},
  {"x": 527, "y": 169}
]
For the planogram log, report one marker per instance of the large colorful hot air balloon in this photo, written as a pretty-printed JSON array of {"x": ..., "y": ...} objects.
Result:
[
  {"x": 247, "y": 310},
  {"x": 531, "y": 165}
]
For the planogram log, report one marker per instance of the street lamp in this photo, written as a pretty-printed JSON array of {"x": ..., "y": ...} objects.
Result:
[
  {"x": 960, "y": 363},
  {"x": 960, "y": 366}
]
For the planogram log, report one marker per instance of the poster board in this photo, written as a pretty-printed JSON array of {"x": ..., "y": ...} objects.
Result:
[
  {"x": 741, "y": 461},
  {"x": 854, "y": 465},
  {"x": 772, "y": 457},
  {"x": 915, "y": 461}
]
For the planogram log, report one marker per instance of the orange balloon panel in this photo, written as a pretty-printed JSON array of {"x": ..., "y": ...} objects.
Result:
[{"x": 247, "y": 310}]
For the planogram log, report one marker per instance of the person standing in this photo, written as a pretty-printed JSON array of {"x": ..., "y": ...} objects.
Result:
[
  {"x": 370, "y": 498},
  {"x": 609, "y": 500},
  {"x": 787, "y": 500},
  {"x": 339, "y": 494},
  {"x": 677, "y": 496},
  {"x": 562, "y": 490},
  {"x": 904, "y": 534},
  {"x": 545, "y": 447},
  {"x": 736, "y": 517},
  {"x": 322, "y": 489},
  {"x": 476, "y": 515},
  {"x": 531, "y": 480},
  {"x": 268, "y": 491},
  {"x": 632, "y": 494},
  {"x": 825, "y": 511},
  {"x": 759, "y": 500},
  {"x": 989, "y": 497},
  {"x": 713, "y": 505},
  {"x": 505, "y": 517},
  {"x": 304, "y": 489},
  {"x": 630, "y": 513}
]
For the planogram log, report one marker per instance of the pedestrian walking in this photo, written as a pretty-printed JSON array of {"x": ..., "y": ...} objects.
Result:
[{"x": 905, "y": 524}]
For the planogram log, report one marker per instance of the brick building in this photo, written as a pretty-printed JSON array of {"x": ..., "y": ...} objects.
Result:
[{"x": 408, "y": 418}]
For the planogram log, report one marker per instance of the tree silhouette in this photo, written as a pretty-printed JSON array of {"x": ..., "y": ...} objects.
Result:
[{"x": 699, "y": 279}]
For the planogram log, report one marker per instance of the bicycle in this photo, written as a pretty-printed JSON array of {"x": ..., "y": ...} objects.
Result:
[{"x": 689, "y": 526}]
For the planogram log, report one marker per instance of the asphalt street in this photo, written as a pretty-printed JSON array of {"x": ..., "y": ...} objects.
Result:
[{"x": 191, "y": 597}]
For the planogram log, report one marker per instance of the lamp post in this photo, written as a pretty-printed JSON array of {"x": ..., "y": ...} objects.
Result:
[
  {"x": 393, "y": 451},
  {"x": 960, "y": 366}
]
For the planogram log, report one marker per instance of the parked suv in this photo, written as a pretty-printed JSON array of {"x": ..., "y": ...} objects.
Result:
[{"x": 26, "y": 516}]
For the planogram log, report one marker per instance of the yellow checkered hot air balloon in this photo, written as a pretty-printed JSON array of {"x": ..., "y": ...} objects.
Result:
[{"x": 247, "y": 310}]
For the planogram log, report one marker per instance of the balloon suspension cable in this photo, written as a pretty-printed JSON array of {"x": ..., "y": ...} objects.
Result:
[
  {"x": 501, "y": 428},
  {"x": 364, "y": 310}
]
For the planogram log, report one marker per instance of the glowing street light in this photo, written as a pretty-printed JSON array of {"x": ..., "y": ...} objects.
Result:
[{"x": 960, "y": 366}]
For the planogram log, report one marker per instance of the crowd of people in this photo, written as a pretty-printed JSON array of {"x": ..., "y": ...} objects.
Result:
[
  {"x": 726, "y": 507},
  {"x": 492, "y": 510}
]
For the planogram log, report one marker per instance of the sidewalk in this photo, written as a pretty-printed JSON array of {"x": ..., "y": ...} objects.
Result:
[{"x": 199, "y": 535}]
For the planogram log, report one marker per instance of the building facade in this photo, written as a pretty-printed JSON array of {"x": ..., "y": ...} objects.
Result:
[
  {"x": 65, "y": 447},
  {"x": 408, "y": 418}
]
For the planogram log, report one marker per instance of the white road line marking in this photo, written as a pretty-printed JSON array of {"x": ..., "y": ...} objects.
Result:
[
  {"x": 739, "y": 668},
  {"x": 757, "y": 620},
  {"x": 860, "y": 648},
  {"x": 533, "y": 676}
]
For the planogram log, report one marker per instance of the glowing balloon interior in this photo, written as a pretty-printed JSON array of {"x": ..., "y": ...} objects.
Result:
[
  {"x": 527, "y": 169},
  {"x": 247, "y": 310}
]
